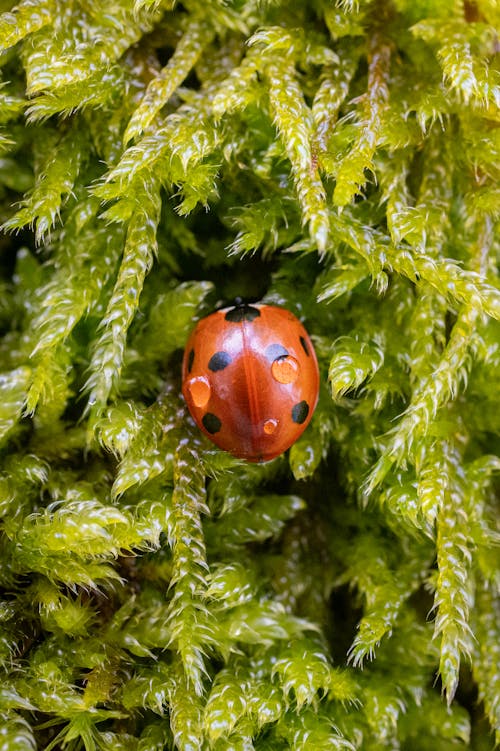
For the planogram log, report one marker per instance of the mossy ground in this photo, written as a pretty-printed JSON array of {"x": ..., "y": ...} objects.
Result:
[{"x": 160, "y": 159}]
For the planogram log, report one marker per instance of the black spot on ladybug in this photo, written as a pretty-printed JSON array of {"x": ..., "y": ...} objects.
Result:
[
  {"x": 190, "y": 360},
  {"x": 275, "y": 351},
  {"x": 300, "y": 412},
  {"x": 242, "y": 313},
  {"x": 219, "y": 361},
  {"x": 211, "y": 423},
  {"x": 304, "y": 345}
]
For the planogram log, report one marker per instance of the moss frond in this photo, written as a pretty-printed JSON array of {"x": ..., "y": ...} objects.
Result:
[
  {"x": 161, "y": 88},
  {"x": 138, "y": 254},
  {"x": 79, "y": 44},
  {"x": 462, "y": 50},
  {"x": 352, "y": 363},
  {"x": 142, "y": 440},
  {"x": 16, "y": 730},
  {"x": 350, "y": 173},
  {"x": 55, "y": 181},
  {"x": 294, "y": 124},
  {"x": 13, "y": 385},
  {"x": 189, "y": 617},
  {"x": 486, "y": 654},
  {"x": 453, "y": 560},
  {"x": 24, "y": 19},
  {"x": 186, "y": 712}
]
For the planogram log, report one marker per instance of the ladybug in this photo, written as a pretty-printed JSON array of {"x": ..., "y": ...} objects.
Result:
[{"x": 250, "y": 379}]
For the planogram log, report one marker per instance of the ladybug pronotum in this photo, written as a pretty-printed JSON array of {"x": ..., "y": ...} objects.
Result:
[{"x": 250, "y": 379}]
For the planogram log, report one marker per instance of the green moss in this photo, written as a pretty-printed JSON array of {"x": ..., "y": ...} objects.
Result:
[{"x": 339, "y": 159}]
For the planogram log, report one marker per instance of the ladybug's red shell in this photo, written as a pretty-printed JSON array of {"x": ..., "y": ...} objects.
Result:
[{"x": 250, "y": 379}]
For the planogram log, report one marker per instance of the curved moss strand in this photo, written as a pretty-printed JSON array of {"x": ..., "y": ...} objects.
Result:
[
  {"x": 311, "y": 729},
  {"x": 305, "y": 672},
  {"x": 79, "y": 47},
  {"x": 186, "y": 134},
  {"x": 393, "y": 171},
  {"x": 196, "y": 38},
  {"x": 147, "y": 449},
  {"x": 331, "y": 93},
  {"x": 464, "y": 71},
  {"x": 92, "y": 533},
  {"x": 11, "y": 107},
  {"x": 140, "y": 248},
  {"x": 451, "y": 372},
  {"x": 446, "y": 277},
  {"x": 439, "y": 387},
  {"x": 436, "y": 187},
  {"x": 227, "y": 702},
  {"x": 369, "y": 562},
  {"x": 457, "y": 62},
  {"x": 73, "y": 291},
  {"x": 427, "y": 334},
  {"x": 62, "y": 528},
  {"x": 430, "y": 322},
  {"x": 432, "y": 481},
  {"x": 486, "y": 652},
  {"x": 480, "y": 496},
  {"x": 186, "y": 711},
  {"x": 98, "y": 90},
  {"x": 293, "y": 121},
  {"x": 17, "y": 732},
  {"x": 426, "y": 224},
  {"x": 352, "y": 363},
  {"x": 50, "y": 387},
  {"x": 350, "y": 174},
  {"x": 454, "y": 596},
  {"x": 55, "y": 180},
  {"x": 24, "y": 19},
  {"x": 239, "y": 89},
  {"x": 341, "y": 280},
  {"x": 265, "y": 700},
  {"x": 153, "y": 5},
  {"x": 432, "y": 394},
  {"x": 432, "y": 212},
  {"x": 222, "y": 16},
  {"x": 77, "y": 282},
  {"x": 388, "y": 595},
  {"x": 266, "y": 225},
  {"x": 13, "y": 389},
  {"x": 189, "y": 619}
]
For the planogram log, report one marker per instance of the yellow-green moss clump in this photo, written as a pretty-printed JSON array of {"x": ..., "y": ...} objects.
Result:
[{"x": 159, "y": 159}]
